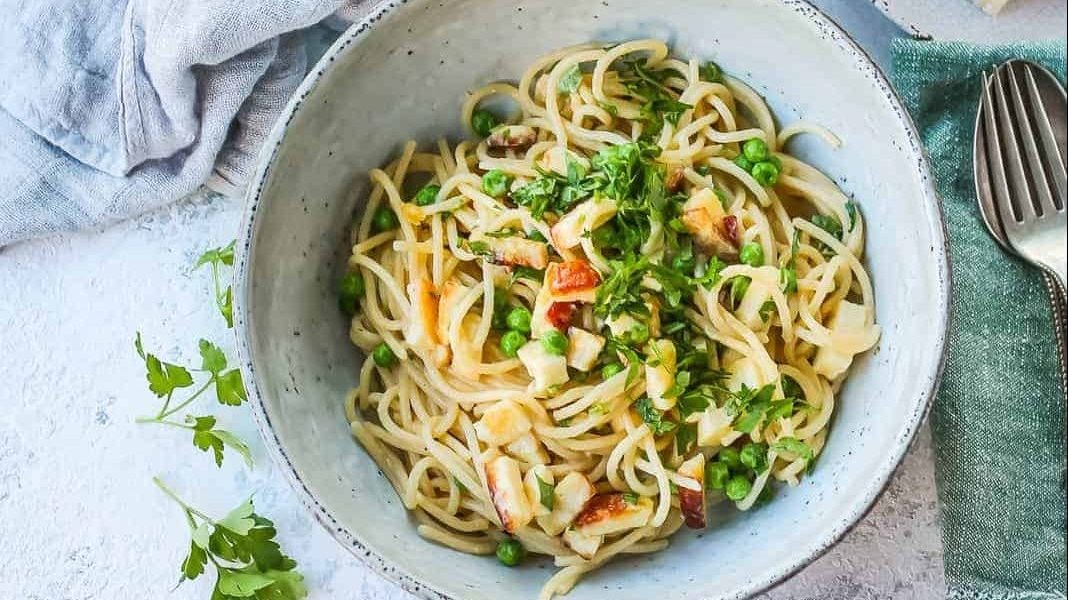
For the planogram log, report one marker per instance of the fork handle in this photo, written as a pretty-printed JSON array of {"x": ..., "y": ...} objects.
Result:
[
  {"x": 1056, "y": 267},
  {"x": 1059, "y": 303}
]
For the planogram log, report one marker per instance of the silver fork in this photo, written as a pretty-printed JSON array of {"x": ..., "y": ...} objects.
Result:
[
  {"x": 1022, "y": 190},
  {"x": 995, "y": 144}
]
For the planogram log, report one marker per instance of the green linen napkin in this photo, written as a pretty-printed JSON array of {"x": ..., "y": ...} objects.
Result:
[{"x": 999, "y": 417}]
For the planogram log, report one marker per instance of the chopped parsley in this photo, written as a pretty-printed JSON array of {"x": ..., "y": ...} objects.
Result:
[
  {"x": 851, "y": 210},
  {"x": 685, "y": 436},
  {"x": 653, "y": 417},
  {"x": 792, "y": 445},
  {"x": 710, "y": 72},
  {"x": 832, "y": 226},
  {"x": 546, "y": 493},
  {"x": 570, "y": 80},
  {"x": 659, "y": 104}
]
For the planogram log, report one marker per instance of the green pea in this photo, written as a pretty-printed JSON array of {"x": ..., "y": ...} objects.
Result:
[
  {"x": 511, "y": 342},
  {"x": 730, "y": 457},
  {"x": 716, "y": 475},
  {"x": 737, "y": 487},
  {"x": 384, "y": 219},
  {"x": 639, "y": 334},
  {"x": 752, "y": 254},
  {"x": 755, "y": 150},
  {"x": 554, "y": 342},
  {"x": 351, "y": 289},
  {"x": 754, "y": 456},
  {"x": 383, "y": 356},
  {"x": 427, "y": 195},
  {"x": 611, "y": 370},
  {"x": 766, "y": 173},
  {"x": 519, "y": 319},
  {"x": 743, "y": 162},
  {"x": 510, "y": 552},
  {"x": 775, "y": 161},
  {"x": 483, "y": 121},
  {"x": 495, "y": 183}
]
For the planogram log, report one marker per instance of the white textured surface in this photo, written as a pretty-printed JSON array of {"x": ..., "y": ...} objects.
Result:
[{"x": 79, "y": 516}]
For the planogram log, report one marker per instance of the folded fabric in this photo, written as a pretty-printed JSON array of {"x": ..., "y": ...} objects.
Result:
[
  {"x": 111, "y": 108},
  {"x": 999, "y": 418}
]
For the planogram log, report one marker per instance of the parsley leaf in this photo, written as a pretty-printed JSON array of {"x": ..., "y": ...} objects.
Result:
[
  {"x": 829, "y": 224},
  {"x": 851, "y": 210},
  {"x": 525, "y": 272},
  {"x": 546, "y": 493},
  {"x": 163, "y": 377},
  {"x": 832, "y": 226},
  {"x": 682, "y": 380},
  {"x": 229, "y": 388},
  {"x": 653, "y": 417},
  {"x": 710, "y": 72},
  {"x": 751, "y": 406},
  {"x": 780, "y": 409},
  {"x": 480, "y": 248},
  {"x": 214, "y": 360},
  {"x": 570, "y": 80},
  {"x": 611, "y": 109},
  {"x": 685, "y": 436},
  {"x": 711, "y": 275},
  {"x": 794, "y": 446},
  {"x": 538, "y": 195},
  {"x": 242, "y": 549},
  {"x": 207, "y": 437},
  {"x": 507, "y": 232},
  {"x": 766, "y": 309}
]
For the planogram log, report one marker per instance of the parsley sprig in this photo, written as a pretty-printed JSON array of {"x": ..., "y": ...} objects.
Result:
[
  {"x": 165, "y": 378},
  {"x": 248, "y": 562},
  {"x": 224, "y": 297}
]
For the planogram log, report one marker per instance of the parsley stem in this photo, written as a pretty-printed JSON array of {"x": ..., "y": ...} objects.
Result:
[
  {"x": 172, "y": 424},
  {"x": 166, "y": 403},
  {"x": 173, "y": 496},
  {"x": 186, "y": 402}
]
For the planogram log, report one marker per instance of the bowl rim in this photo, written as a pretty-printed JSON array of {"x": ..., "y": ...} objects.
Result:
[{"x": 880, "y": 479}]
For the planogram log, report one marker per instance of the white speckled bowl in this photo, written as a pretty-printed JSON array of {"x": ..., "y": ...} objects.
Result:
[{"x": 401, "y": 74}]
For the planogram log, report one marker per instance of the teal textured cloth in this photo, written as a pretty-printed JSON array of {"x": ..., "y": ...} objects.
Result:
[{"x": 999, "y": 418}]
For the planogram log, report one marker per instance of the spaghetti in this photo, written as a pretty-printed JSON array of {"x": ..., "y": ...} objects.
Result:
[{"x": 596, "y": 318}]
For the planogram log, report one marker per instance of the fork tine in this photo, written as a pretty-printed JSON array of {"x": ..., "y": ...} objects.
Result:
[
  {"x": 1013, "y": 163},
  {"x": 1032, "y": 160},
  {"x": 996, "y": 163},
  {"x": 1045, "y": 131}
]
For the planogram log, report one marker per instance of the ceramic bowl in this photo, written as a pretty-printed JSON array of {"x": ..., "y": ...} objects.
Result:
[{"x": 402, "y": 73}]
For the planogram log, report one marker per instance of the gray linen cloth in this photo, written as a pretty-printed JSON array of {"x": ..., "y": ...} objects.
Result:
[{"x": 109, "y": 108}]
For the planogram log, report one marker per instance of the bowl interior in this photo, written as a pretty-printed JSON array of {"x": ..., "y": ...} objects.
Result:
[{"x": 403, "y": 75}]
